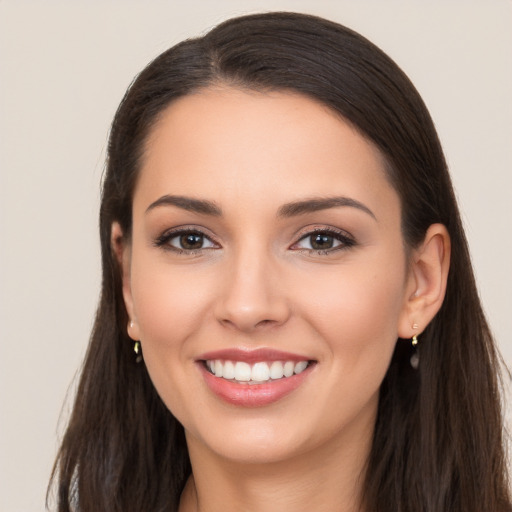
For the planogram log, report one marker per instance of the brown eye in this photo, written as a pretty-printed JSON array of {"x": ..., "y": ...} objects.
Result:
[
  {"x": 324, "y": 242},
  {"x": 186, "y": 241},
  {"x": 191, "y": 241},
  {"x": 321, "y": 241}
]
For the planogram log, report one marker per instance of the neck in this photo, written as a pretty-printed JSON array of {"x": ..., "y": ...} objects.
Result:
[{"x": 325, "y": 479}]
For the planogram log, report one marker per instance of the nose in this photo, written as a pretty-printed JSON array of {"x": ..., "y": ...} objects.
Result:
[{"x": 252, "y": 297}]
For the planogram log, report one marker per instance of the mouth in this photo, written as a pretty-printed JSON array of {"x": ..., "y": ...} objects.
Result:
[
  {"x": 254, "y": 378},
  {"x": 260, "y": 372}
]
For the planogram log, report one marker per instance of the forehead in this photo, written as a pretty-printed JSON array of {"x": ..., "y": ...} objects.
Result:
[{"x": 226, "y": 143}]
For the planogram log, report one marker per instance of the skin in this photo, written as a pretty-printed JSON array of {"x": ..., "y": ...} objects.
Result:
[{"x": 257, "y": 283}]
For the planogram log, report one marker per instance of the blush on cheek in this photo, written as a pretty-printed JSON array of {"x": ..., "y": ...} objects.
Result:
[
  {"x": 168, "y": 305},
  {"x": 359, "y": 314}
]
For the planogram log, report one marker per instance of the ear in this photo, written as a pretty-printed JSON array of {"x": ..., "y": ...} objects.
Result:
[
  {"x": 426, "y": 282},
  {"x": 122, "y": 252}
]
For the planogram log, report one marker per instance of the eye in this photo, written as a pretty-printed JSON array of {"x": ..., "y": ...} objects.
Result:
[
  {"x": 323, "y": 241},
  {"x": 185, "y": 241}
]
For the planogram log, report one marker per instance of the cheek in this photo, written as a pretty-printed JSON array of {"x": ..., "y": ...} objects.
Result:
[
  {"x": 357, "y": 312},
  {"x": 354, "y": 316},
  {"x": 170, "y": 305},
  {"x": 168, "y": 301}
]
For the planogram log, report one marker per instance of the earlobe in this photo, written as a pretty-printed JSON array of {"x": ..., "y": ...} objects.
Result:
[
  {"x": 121, "y": 250},
  {"x": 428, "y": 275}
]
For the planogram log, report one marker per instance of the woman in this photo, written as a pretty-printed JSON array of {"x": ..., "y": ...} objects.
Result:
[{"x": 288, "y": 317}]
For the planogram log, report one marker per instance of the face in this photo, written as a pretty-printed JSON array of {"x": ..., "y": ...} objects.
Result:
[{"x": 266, "y": 274}]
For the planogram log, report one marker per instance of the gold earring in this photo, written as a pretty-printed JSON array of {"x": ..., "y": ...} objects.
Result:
[
  {"x": 138, "y": 352},
  {"x": 415, "y": 358},
  {"x": 415, "y": 337}
]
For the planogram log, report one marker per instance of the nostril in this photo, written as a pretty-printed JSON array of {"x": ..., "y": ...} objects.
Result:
[
  {"x": 248, "y": 308},
  {"x": 248, "y": 324},
  {"x": 265, "y": 322}
]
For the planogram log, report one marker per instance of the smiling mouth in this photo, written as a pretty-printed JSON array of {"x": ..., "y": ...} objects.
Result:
[{"x": 261, "y": 372}]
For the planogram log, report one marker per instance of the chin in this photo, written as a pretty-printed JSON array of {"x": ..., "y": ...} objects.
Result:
[
  {"x": 246, "y": 447},
  {"x": 272, "y": 438}
]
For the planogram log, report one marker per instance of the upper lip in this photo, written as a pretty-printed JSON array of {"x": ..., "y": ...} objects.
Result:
[{"x": 252, "y": 355}]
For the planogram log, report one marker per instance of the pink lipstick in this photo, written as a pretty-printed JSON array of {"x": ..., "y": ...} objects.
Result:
[{"x": 253, "y": 378}]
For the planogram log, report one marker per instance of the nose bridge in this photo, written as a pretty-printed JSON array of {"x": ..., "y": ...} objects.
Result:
[{"x": 251, "y": 296}]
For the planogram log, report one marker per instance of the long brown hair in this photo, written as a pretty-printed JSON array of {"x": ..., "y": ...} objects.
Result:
[{"x": 438, "y": 441}]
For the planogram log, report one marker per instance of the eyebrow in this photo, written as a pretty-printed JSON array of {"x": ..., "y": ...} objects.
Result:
[
  {"x": 187, "y": 203},
  {"x": 319, "y": 203},
  {"x": 292, "y": 209}
]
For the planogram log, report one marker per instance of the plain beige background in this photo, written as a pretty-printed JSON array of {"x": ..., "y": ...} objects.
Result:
[{"x": 63, "y": 69}]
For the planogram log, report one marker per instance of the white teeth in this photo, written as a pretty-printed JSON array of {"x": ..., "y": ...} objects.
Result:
[
  {"x": 300, "y": 367},
  {"x": 288, "y": 368},
  {"x": 228, "y": 372},
  {"x": 260, "y": 372},
  {"x": 257, "y": 373},
  {"x": 242, "y": 371},
  {"x": 218, "y": 369},
  {"x": 276, "y": 370}
]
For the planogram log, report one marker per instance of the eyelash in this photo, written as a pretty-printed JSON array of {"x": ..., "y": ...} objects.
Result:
[
  {"x": 163, "y": 240},
  {"x": 344, "y": 239}
]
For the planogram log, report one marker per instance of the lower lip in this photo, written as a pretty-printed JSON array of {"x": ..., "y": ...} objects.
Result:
[{"x": 253, "y": 395}]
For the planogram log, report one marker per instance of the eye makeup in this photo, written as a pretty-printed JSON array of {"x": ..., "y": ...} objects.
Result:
[
  {"x": 191, "y": 240},
  {"x": 323, "y": 241},
  {"x": 185, "y": 240}
]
